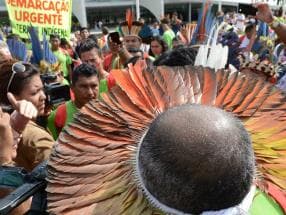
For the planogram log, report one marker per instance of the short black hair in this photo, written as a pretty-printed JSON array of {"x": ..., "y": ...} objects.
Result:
[
  {"x": 83, "y": 28},
  {"x": 182, "y": 56},
  {"x": 55, "y": 36},
  {"x": 93, "y": 37},
  {"x": 88, "y": 45},
  {"x": 64, "y": 42},
  {"x": 85, "y": 70},
  {"x": 196, "y": 158},
  {"x": 249, "y": 27},
  {"x": 105, "y": 30}
]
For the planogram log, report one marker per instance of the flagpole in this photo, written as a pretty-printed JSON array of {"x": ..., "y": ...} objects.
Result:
[{"x": 137, "y": 9}]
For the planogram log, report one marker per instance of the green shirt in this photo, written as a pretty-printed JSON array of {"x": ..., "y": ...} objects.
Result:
[
  {"x": 168, "y": 37},
  {"x": 65, "y": 60},
  {"x": 264, "y": 204},
  {"x": 57, "y": 121}
]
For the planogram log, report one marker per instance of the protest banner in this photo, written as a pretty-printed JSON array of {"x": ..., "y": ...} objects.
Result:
[{"x": 49, "y": 16}]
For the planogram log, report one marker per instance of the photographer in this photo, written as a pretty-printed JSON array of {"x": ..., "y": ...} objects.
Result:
[{"x": 23, "y": 81}]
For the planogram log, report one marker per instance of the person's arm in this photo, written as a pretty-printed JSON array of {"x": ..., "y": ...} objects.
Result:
[
  {"x": 251, "y": 42},
  {"x": 68, "y": 66},
  {"x": 265, "y": 15},
  {"x": 6, "y": 139},
  {"x": 100, "y": 68},
  {"x": 24, "y": 112},
  {"x": 123, "y": 53},
  {"x": 12, "y": 127}
]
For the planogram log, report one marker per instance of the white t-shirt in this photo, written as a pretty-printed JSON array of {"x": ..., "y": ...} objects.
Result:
[{"x": 244, "y": 42}]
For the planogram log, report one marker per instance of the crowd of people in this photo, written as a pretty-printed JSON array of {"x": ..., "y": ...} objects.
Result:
[{"x": 84, "y": 63}]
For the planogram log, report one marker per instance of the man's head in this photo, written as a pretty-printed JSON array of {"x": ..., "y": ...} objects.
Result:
[
  {"x": 142, "y": 20},
  {"x": 174, "y": 15},
  {"x": 177, "y": 42},
  {"x": 156, "y": 25},
  {"x": 131, "y": 41},
  {"x": 84, "y": 84},
  {"x": 77, "y": 35},
  {"x": 249, "y": 30},
  {"x": 195, "y": 158},
  {"x": 181, "y": 56},
  {"x": 84, "y": 33},
  {"x": 93, "y": 37},
  {"x": 165, "y": 24},
  {"x": 55, "y": 41},
  {"x": 90, "y": 53},
  {"x": 105, "y": 30}
]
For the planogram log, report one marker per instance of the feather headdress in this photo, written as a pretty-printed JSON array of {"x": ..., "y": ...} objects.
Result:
[
  {"x": 211, "y": 53},
  {"x": 36, "y": 46},
  {"x": 17, "y": 49},
  {"x": 129, "y": 27},
  {"x": 42, "y": 54},
  {"x": 90, "y": 170}
]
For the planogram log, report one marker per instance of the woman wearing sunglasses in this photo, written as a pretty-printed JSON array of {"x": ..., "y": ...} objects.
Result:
[{"x": 23, "y": 81}]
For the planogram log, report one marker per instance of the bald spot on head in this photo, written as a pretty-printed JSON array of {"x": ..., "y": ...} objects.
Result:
[{"x": 196, "y": 158}]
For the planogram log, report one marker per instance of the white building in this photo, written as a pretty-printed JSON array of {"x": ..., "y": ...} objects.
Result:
[{"x": 113, "y": 11}]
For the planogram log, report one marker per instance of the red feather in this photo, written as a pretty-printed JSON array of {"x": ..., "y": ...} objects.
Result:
[
  {"x": 129, "y": 18},
  {"x": 202, "y": 28}
]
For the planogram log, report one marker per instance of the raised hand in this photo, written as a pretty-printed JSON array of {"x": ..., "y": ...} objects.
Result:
[
  {"x": 23, "y": 107},
  {"x": 264, "y": 12},
  {"x": 24, "y": 112}
]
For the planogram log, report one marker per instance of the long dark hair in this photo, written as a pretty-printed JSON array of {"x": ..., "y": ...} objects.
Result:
[
  {"x": 162, "y": 43},
  {"x": 19, "y": 81}
]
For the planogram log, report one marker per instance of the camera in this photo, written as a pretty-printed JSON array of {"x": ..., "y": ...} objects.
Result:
[{"x": 56, "y": 92}]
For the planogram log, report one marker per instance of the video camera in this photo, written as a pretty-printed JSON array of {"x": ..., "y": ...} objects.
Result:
[
  {"x": 25, "y": 185},
  {"x": 56, "y": 92}
]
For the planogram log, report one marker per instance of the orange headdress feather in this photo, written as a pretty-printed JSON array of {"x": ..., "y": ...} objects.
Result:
[
  {"x": 129, "y": 18},
  {"x": 90, "y": 171}
]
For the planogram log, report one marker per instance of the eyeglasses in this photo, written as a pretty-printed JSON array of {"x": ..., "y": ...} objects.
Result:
[{"x": 16, "y": 68}]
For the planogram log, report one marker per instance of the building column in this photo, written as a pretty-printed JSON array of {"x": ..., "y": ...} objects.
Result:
[
  {"x": 156, "y": 7},
  {"x": 78, "y": 9},
  {"x": 190, "y": 12},
  {"x": 220, "y": 5}
]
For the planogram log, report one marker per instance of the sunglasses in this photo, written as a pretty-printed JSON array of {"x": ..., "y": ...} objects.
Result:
[{"x": 16, "y": 68}]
